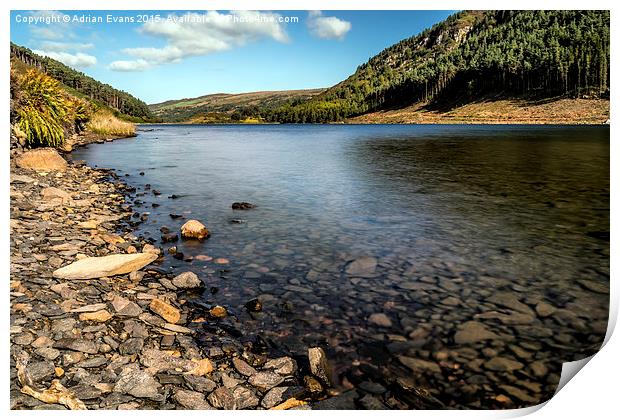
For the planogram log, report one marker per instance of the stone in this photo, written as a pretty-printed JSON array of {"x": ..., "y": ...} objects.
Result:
[
  {"x": 108, "y": 266},
  {"x": 539, "y": 369},
  {"x": 169, "y": 237},
  {"x": 138, "y": 383},
  {"x": 90, "y": 308},
  {"x": 48, "y": 353},
  {"x": 223, "y": 398},
  {"x": 52, "y": 193},
  {"x": 370, "y": 402},
  {"x": 473, "y": 332},
  {"x": 166, "y": 311},
  {"x": 284, "y": 366},
  {"x": 78, "y": 344},
  {"x": 125, "y": 307},
  {"x": 243, "y": 368},
  {"x": 519, "y": 394},
  {"x": 99, "y": 316},
  {"x": 200, "y": 383},
  {"x": 595, "y": 286},
  {"x": 419, "y": 365},
  {"x": 380, "y": 319},
  {"x": 42, "y": 342},
  {"x": 242, "y": 205},
  {"x": 151, "y": 249},
  {"x": 244, "y": 398},
  {"x": 503, "y": 364},
  {"x": 202, "y": 367},
  {"x": 254, "y": 305},
  {"x": 40, "y": 371},
  {"x": 319, "y": 365},
  {"x": 274, "y": 397},
  {"x": 191, "y": 400},
  {"x": 221, "y": 261},
  {"x": 187, "y": 280},
  {"x": 194, "y": 229},
  {"x": 131, "y": 346},
  {"x": 510, "y": 300},
  {"x": 264, "y": 381},
  {"x": 218, "y": 312},
  {"x": 43, "y": 159},
  {"x": 361, "y": 267},
  {"x": 543, "y": 309}
]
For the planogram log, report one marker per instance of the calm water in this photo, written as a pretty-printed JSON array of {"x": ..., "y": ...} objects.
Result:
[{"x": 452, "y": 214}]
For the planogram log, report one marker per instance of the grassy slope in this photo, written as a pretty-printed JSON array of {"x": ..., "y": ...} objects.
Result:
[
  {"x": 190, "y": 108},
  {"x": 497, "y": 111}
]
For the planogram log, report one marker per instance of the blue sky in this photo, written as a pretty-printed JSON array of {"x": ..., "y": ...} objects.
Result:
[{"x": 161, "y": 55}]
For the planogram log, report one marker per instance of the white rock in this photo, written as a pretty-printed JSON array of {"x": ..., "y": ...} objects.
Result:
[{"x": 110, "y": 265}]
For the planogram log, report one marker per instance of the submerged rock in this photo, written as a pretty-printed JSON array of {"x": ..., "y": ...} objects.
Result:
[
  {"x": 110, "y": 265},
  {"x": 472, "y": 332},
  {"x": 242, "y": 205},
  {"x": 362, "y": 266},
  {"x": 194, "y": 229}
]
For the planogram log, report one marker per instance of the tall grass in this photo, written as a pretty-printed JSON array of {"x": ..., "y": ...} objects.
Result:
[
  {"x": 105, "y": 123},
  {"x": 41, "y": 109}
]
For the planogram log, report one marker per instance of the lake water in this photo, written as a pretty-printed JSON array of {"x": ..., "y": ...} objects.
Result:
[{"x": 461, "y": 221}]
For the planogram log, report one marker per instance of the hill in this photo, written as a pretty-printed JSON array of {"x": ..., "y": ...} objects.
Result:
[
  {"x": 82, "y": 86},
  {"x": 530, "y": 55},
  {"x": 222, "y": 107}
]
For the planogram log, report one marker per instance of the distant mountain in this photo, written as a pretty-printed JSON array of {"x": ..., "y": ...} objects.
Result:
[
  {"x": 471, "y": 54},
  {"x": 84, "y": 86},
  {"x": 221, "y": 107}
]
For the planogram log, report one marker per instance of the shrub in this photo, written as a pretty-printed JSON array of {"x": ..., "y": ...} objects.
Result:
[{"x": 41, "y": 110}]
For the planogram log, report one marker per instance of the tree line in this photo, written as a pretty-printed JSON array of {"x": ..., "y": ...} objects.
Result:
[{"x": 534, "y": 53}]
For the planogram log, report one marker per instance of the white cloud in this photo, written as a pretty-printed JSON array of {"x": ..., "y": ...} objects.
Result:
[
  {"x": 197, "y": 34},
  {"x": 327, "y": 27},
  {"x": 74, "y": 60},
  {"x": 65, "y": 46},
  {"x": 129, "y": 65}
]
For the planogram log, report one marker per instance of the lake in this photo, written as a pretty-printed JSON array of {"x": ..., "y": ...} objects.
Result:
[{"x": 382, "y": 243}]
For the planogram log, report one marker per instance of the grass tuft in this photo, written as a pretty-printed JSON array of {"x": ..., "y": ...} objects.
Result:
[{"x": 105, "y": 123}]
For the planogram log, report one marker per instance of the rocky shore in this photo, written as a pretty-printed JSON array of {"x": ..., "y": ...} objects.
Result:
[{"x": 96, "y": 324}]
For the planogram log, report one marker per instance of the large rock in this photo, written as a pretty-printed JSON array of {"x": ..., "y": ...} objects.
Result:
[
  {"x": 194, "y": 229},
  {"x": 187, "y": 280},
  {"x": 46, "y": 159},
  {"x": 110, "y": 265}
]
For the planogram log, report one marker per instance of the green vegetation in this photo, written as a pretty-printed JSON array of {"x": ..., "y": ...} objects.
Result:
[
  {"x": 229, "y": 108},
  {"x": 85, "y": 87},
  {"x": 42, "y": 108},
  {"x": 535, "y": 53}
]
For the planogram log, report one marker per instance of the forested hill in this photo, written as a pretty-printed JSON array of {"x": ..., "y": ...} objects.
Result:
[
  {"x": 83, "y": 85},
  {"x": 472, "y": 53}
]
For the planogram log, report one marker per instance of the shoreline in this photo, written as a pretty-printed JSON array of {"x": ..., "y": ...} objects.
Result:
[{"x": 100, "y": 340}]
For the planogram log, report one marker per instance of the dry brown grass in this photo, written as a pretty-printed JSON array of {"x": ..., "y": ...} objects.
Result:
[
  {"x": 105, "y": 123},
  {"x": 501, "y": 111}
]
